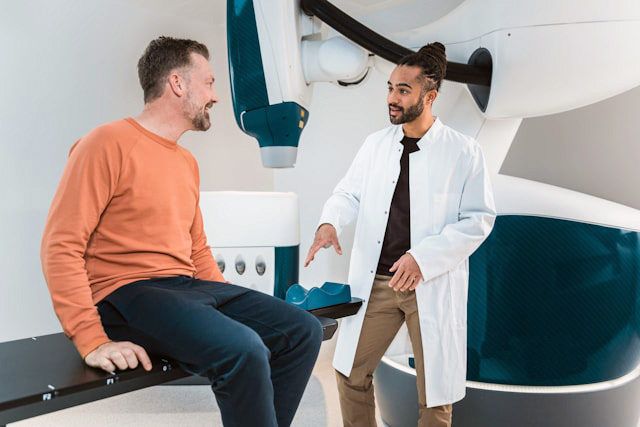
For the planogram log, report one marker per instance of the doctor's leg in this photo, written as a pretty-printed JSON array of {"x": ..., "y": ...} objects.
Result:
[
  {"x": 438, "y": 416},
  {"x": 382, "y": 321}
]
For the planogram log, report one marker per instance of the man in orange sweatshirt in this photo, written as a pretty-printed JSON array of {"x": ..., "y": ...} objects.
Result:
[{"x": 128, "y": 265}]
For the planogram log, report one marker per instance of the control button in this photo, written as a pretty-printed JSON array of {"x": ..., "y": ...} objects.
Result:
[
  {"x": 240, "y": 265},
  {"x": 261, "y": 265},
  {"x": 220, "y": 262}
]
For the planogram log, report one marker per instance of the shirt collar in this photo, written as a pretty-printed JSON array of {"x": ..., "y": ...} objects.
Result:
[
  {"x": 410, "y": 144},
  {"x": 430, "y": 136}
]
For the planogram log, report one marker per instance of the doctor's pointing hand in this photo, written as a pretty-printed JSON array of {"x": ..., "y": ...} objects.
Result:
[{"x": 326, "y": 236}]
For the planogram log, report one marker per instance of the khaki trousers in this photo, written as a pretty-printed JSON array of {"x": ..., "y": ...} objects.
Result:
[{"x": 386, "y": 311}]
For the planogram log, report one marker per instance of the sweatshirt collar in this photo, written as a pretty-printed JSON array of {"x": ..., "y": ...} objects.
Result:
[{"x": 155, "y": 137}]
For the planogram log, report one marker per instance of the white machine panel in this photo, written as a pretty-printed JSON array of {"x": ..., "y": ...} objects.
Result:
[
  {"x": 249, "y": 267},
  {"x": 243, "y": 229},
  {"x": 250, "y": 219}
]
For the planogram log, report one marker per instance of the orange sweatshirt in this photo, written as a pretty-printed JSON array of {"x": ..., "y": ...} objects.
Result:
[{"x": 126, "y": 209}]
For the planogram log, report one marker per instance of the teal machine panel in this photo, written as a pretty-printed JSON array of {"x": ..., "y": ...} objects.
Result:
[
  {"x": 277, "y": 124},
  {"x": 553, "y": 302},
  {"x": 248, "y": 86},
  {"x": 286, "y": 269}
]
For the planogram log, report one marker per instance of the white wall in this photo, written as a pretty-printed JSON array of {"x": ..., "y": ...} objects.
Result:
[
  {"x": 594, "y": 149},
  {"x": 67, "y": 66}
]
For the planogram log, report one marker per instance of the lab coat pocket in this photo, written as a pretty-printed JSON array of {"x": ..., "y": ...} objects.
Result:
[
  {"x": 444, "y": 210},
  {"x": 458, "y": 286}
]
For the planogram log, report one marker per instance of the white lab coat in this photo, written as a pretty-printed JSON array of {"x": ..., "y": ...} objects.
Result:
[{"x": 452, "y": 212}]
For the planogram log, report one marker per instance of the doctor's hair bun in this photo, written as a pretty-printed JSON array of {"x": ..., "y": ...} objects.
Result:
[{"x": 432, "y": 59}]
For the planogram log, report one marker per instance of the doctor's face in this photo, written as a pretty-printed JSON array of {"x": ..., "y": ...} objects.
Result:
[{"x": 406, "y": 95}]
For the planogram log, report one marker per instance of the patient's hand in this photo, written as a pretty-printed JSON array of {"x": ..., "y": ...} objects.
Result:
[{"x": 122, "y": 354}]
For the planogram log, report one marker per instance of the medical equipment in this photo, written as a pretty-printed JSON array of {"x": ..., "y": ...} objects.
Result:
[
  {"x": 544, "y": 58},
  {"x": 327, "y": 295},
  {"x": 254, "y": 237}
]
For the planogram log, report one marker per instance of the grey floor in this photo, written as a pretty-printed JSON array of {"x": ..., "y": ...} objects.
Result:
[{"x": 194, "y": 406}]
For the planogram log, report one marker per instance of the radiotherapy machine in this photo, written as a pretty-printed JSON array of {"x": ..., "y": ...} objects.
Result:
[{"x": 554, "y": 292}]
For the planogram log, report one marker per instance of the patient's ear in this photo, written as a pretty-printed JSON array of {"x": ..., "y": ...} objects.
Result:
[{"x": 177, "y": 84}]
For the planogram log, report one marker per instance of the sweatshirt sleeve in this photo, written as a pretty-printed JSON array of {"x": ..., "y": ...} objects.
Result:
[
  {"x": 86, "y": 187},
  {"x": 203, "y": 261},
  {"x": 205, "y": 264}
]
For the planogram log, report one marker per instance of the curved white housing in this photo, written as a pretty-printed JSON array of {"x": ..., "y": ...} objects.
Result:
[
  {"x": 518, "y": 196},
  {"x": 281, "y": 26},
  {"x": 332, "y": 59},
  {"x": 250, "y": 219},
  {"x": 548, "y": 56}
]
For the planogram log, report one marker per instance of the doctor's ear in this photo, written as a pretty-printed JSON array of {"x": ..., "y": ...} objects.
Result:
[{"x": 431, "y": 96}]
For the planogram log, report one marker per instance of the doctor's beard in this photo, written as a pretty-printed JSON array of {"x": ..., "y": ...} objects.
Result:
[{"x": 411, "y": 113}]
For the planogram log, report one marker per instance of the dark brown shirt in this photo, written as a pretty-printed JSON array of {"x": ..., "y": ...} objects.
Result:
[{"x": 397, "y": 237}]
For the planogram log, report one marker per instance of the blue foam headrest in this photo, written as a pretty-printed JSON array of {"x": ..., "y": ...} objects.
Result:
[{"x": 328, "y": 294}]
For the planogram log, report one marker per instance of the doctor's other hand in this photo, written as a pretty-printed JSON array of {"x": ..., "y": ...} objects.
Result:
[
  {"x": 406, "y": 275},
  {"x": 326, "y": 236},
  {"x": 120, "y": 354}
]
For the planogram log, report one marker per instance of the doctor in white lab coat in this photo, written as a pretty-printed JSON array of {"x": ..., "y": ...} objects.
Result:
[{"x": 448, "y": 214}]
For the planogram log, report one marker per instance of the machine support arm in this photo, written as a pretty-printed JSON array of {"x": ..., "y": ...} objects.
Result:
[{"x": 383, "y": 47}]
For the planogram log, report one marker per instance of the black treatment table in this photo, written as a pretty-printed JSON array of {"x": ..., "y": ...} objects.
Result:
[{"x": 45, "y": 374}]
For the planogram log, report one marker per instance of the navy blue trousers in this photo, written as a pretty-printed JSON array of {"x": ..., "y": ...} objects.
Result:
[{"x": 257, "y": 350}]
